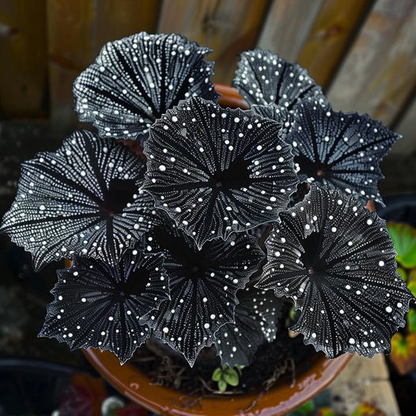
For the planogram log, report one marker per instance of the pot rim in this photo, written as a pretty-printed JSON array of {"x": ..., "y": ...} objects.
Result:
[{"x": 279, "y": 400}]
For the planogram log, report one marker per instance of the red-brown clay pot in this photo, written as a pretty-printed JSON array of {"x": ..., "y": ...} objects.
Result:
[
  {"x": 279, "y": 400},
  {"x": 311, "y": 377}
]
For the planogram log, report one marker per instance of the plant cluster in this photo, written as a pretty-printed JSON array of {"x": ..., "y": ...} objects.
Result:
[
  {"x": 164, "y": 237},
  {"x": 403, "y": 354}
]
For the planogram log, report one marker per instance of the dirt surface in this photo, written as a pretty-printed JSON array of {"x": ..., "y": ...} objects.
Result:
[{"x": 272, "y": 362}]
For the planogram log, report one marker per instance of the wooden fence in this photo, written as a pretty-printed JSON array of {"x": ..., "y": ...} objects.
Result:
[{"x": 362, "y": 51}]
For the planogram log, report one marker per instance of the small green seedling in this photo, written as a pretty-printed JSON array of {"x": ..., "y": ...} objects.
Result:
[{"x": 227, "y": 376}]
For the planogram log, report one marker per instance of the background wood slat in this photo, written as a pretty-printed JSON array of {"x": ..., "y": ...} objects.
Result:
[
  {"x": 379, "y": 72},
  {"x": 407, "y": 129},
  {"x": 116, "y": 19},
  {"x": 287, "y": 26},
  {"x": 227, "y": 26},
  {"x": 333, "y": 28},
  {"x": 45, "y": 44},
  {"x": 23, "y": 69},
  {"x": 70, "y": 47}
]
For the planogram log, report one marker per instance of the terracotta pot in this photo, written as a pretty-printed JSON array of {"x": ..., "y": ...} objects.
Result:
[
  {"x": 311, "y": 377},
  {"x": 279, "y": 400}
]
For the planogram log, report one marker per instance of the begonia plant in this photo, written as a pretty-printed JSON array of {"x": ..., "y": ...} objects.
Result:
[{"x": 164, "y": 242}]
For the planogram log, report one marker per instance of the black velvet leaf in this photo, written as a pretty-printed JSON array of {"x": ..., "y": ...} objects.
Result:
[
  {"x": 265, "y": 78},
  {"x": 255, "y": 324},
  {"x": 336, "y": 260},
  {"x": 273, "y": 112},
  {"x": 340, "y": 151},
  {"x": 82, "y": 199},
  {"x": 281, "y": 115},
  {"x": 100, "y": 306},
  {"x": 203, "y": 285},
  {"x": 136, "y": 79},
  {"x": 217, "y": 171}
]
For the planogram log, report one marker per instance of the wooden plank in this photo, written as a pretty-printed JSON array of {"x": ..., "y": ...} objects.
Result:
[
  {"x": 378, "y": 393},
  {"x": 116, "y": 19},
  {"x": 379, "y": 72},
  {"x": 70, "y": 47},
  {"x": 331, "y": 32},
  {"x": 23, "y": 69},
  {"x": 287, "y": 26},
  {"x": 364, "y": 380},
  {"x": 227, "y": 26},
  {"x": 406, "y": 127},
  {"x": 362, "y": 368}
]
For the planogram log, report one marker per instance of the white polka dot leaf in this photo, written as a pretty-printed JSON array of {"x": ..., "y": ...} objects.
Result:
[
  {"x": 100, "y": 306},
  {"x": 273, "y": 112},
  {"x": 256, "y": 318},
  {"x": 336, "y": 261},
  {"x": 203, "y": 286},
  {"x": 135, "y": 80},
  {"x": 340, "y": 151},
  {"x": 82, "y": 199},
  {"x": 217, "y": 171},
  {"x": 264, "y": 78},
  {"x": 281, "y": 115}
]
